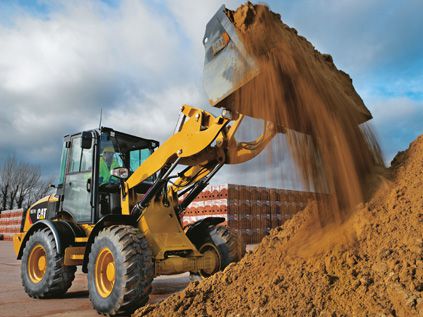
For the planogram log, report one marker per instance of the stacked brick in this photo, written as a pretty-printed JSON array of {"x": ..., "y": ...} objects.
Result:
[
  {"x": 10, "y": 223},
  {"x": 252, "y": 211}
]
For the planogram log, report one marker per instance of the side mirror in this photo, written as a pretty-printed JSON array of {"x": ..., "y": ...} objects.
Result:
[
  {"x": 120, "y": 172},
  {"x": 86, "y": 140}
]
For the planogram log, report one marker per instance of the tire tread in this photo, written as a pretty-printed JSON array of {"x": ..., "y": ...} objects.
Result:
[
  {"x": 137, "y": 265},
  {"x": 62, "y": 277}
]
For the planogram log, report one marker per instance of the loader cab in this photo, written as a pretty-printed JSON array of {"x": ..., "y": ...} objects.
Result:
[{"x": 86, "y": 189}]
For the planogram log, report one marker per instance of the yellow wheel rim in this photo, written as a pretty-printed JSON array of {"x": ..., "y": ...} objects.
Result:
[
  {"x": 104, "y": 272},
  {"x": 212, "y": 255},
  {"x": 37, "y": 263}
]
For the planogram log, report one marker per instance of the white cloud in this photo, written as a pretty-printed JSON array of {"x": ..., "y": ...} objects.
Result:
[
  {"x": 140, "y": 61},
  {"x": 56, "y": 73},
  {"x": 398, "y": 121},
  {"x": 137, "y": 62},
  {"x": 152, "y": 115},
  {"x": 362, "y": 36},
  {"x": 192, "y": 16}
]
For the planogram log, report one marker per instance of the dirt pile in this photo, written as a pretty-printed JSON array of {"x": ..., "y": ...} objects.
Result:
[
  {"x": 371, "y": 265},
  {"x": 359, "y": 252}
]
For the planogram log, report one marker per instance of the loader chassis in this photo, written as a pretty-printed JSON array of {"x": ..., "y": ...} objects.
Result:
[{"x": 76, "y": 220}]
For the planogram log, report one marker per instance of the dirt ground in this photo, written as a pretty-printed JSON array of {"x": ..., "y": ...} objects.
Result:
[{"x": 14, "y": 301}]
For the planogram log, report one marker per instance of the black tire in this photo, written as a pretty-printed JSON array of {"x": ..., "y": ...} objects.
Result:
[
  {"x": 57, "y": 278},
  {"x": 133, "y": 270},
  {"x": 227, "y": 243}
]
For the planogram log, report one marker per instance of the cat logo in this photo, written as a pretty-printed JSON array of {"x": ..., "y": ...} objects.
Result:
[{"x": 41, "y": 213}]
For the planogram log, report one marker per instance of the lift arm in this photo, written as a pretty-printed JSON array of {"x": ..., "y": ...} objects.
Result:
[{"x": 202, "y": 144}]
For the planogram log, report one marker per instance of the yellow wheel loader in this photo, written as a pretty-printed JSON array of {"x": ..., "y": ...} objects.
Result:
[
  {"x": 119, "y": 199},
  {"x": 116, "y": 210}
]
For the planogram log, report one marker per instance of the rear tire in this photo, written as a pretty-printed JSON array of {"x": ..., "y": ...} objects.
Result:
[
  {"x": 226, "y": 243},
  {"x": 120, "y": 270},
  {"x": 43, "y": 272}
]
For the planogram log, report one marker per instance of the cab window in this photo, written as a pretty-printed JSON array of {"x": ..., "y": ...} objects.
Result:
[
  {"x": 137, "y": 157},
  {"x": 75, "y": 160},
  {"x": 86, "y": 160},
  {"x": 63, "y": 160},
  {"x": 81, "y": 159}
]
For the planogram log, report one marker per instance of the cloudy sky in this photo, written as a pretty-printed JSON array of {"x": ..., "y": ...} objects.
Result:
[{"x": 62, "y": 61}]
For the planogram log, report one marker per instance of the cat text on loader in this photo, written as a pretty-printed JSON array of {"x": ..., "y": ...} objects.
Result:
[{"x": 116, "y": 210}]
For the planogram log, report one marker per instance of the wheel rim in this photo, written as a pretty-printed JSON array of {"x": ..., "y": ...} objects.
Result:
[
  {"x": 210, "y": 251},
  {"x": 105, "y": 272},
  {"x": 37, "y": 263}
]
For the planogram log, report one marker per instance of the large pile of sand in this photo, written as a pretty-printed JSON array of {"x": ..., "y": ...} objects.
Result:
[
  {"x": 371, "y": 265},
  {"x": 333, "y": 258}
]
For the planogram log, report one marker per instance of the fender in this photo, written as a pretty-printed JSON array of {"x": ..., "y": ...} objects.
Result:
[
  {"x": 104, "y": 222},
  {"x": 63, "y": 234},
  {"x": 198, "y": 233}
]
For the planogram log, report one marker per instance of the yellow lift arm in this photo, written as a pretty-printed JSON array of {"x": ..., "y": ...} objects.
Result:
[{"x": 203, "y": 143}]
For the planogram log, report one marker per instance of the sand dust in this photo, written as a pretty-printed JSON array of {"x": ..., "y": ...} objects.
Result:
[{"x": 301, "y": 89}]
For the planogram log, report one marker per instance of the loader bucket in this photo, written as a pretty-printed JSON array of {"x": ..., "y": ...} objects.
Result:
[{"x": 227, "y": 65}]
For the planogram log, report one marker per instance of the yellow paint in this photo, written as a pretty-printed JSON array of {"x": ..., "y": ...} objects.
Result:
[
  {"x": 175, "y": 264},
  {"x": 197, "y": 133},
  {"x": 17, "y": 241},
  {"x": 240, "y": 152},
  {"x": 36, "y": 266},
  {"x": 163, "y": 230},
  {"x": 74, "y": 255},
  {"x": 87, "y": 228},
  {"x": 81, "y": 239},
  {"x": 104, "y": 272},
  {"x": 211, "y": 253}
]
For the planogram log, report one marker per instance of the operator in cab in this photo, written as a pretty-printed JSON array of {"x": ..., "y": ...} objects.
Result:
[{"x": 108, "y": 162}]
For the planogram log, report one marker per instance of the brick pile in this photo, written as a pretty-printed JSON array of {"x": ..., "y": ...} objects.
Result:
[
  {"x": 249, "y": 210},
  {"x": 10, "y": 223}
]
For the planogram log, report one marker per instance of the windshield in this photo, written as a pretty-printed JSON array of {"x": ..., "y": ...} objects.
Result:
[
  {"x": 121, "y": 150},
  {"x": 136, "y": 157}
]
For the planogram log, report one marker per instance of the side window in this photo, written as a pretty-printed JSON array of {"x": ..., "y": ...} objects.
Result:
[
  {"x": 81, "y": 159},
  {"x": 145, "y": 153},
  {"x": 136, "y": 157},
  {"x": 77, "y": 198},
  {"x": 75, "y": 159},
  {"x": 86, "y": 160},
  {"x": 63, "y": 164},
  {"x": 134, "y": 160}
]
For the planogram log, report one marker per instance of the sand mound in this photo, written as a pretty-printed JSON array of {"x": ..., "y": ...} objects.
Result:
[
  {"x": 371, "y": 265},
  {"x": 359, "y": 252}
]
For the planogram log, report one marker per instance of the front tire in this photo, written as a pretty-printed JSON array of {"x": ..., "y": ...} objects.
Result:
[
  {"x": 43, "y": 272},
  {"x": 120, "y": 270}
]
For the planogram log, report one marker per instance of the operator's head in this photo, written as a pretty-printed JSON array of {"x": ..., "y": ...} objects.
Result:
[{"x": 108, "y": 154}]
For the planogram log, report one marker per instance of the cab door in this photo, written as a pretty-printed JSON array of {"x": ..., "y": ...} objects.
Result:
[{"x": 78, "y": 196}]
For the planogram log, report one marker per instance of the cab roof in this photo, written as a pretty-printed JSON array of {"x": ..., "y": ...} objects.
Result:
[{"x": 135, "y": 141}]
